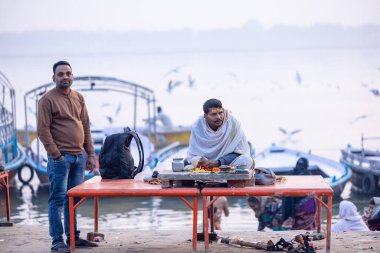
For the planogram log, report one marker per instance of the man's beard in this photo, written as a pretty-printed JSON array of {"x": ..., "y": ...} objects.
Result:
[{"x": 65, "y": 84}]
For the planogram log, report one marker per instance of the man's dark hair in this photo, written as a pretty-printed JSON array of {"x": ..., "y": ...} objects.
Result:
[
  {"x": 60, "y": 63},
  {"x": 211, "y": 103},
  {"x": 159, "y": 109}
]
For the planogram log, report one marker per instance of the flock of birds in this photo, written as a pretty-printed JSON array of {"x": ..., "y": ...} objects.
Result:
[
  {"x": 288, "y": 135},
  {"x": 175, "y": 83}
]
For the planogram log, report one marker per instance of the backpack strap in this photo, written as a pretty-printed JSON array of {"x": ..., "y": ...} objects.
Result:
[{"x": 140, "y": 150}]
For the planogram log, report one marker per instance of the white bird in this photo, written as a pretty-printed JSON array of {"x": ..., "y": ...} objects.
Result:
[
  {"x": 282, "y": 130},
  {"x": 118, "y": 109},
  {"x": 298, "y": 77},
  {"x": 110, "y": 119},
  {"x": 289, "y": 135},
  {"x": 363, "y": 116},
  {"x": 172, "y": 85},
  {"x": 175, "y": 70},
  {"x": 375, "y": 92},
  {"x": 191, "y": 81}
]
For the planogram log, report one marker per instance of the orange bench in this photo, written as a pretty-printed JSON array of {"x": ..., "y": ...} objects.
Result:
[{"x": 97, "y": 187}]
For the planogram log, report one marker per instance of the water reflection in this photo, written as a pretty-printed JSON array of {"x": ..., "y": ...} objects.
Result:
[{"x": 29, "y": 206}]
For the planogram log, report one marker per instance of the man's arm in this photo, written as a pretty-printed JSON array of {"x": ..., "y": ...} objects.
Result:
[
  {"x": 224, "y": 160},
  {"x": 44, "y": 120},
  {"x": 88, "y": 144}
]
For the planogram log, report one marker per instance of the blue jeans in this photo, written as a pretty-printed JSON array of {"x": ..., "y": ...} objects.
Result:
[{"x": 63, "y": 175}]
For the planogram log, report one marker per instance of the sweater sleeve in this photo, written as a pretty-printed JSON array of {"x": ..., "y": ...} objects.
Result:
[
  {"x": 44, "y": 120},
  {"x": 88, "y": 144}
]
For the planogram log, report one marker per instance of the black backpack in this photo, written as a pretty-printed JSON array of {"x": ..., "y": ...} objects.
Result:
[{"x": 116, "y": 160}]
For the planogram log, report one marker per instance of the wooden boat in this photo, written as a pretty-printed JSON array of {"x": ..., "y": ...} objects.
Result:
[
  {"x": 12, "y": 155},
  {"x": 365, "y": 167},
  {"x": 282, "y": 161},
  {"x": 107, "y": 87}
]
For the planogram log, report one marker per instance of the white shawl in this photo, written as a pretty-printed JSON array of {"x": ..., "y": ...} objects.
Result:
[
  {"x": 213, "y": 144},
  {"x": 350, "y": 220}
]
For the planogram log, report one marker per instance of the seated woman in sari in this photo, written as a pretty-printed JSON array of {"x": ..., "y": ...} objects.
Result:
[
  {"x": 267, "y": 211},
  {"x": 372, "y": 214},
  {"x": 300, "y": 212}
]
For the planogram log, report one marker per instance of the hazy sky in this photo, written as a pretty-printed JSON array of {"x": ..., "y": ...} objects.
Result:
[{"x": 152, "y": 15}]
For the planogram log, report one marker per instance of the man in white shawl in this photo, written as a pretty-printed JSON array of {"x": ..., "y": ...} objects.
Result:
[
  {"x": 350, "y": 220},
  {"x": 217, "y": 139}
]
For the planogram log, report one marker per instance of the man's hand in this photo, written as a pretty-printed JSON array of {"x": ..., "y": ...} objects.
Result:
[
  {"x": 204, "y": 162},
  {"x": 90, "y": 163},
  {"x": 211, "y": 164}
]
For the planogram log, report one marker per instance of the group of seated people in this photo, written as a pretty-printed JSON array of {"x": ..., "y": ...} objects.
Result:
[
  {"x": 273, "y": 213},
  {"x": 286, "y": 213}
]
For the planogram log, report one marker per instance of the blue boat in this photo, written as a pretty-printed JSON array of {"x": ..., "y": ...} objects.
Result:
[
  {"x": 365, "y": 166},
  {"x": 282, "y": 160},
  {"x": 12, "y": 155}
]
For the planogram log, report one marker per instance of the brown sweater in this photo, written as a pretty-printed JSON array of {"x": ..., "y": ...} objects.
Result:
[{"x": 63, "y": 123}]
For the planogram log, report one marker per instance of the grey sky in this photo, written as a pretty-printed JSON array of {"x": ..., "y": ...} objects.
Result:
[{"x": 158, "y": 15}]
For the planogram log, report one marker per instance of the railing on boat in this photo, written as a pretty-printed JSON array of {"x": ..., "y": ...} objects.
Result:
[
  {"x": 8, "y": 134},
  {"x": 362, "y": 158},
  {"x": 164, "y": 153}
]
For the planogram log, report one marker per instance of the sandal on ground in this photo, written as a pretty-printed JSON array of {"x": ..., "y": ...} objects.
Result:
[
  {"x": 60, "y": 247},
  {"x": 79, "y": 242}
]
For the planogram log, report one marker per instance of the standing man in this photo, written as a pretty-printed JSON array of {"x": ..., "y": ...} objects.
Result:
[
  {"x": 64, "y": 129},
  {"x": 217, "y": 139}
]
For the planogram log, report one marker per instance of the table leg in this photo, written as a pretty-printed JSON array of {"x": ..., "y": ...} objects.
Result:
[
  {"x": 211, "y": 208},
  {"x": 328, "y": 235},
  {"x": 96, "y": 215},
  {"x": 8, "y": 199},
  {"x": 195, "y": 222},
  {"x": 205, "y": 224},
  {"x": 319, "y": 214},
  {"x": 4, "y": 181},
  {"x": 71, "y": 215}
]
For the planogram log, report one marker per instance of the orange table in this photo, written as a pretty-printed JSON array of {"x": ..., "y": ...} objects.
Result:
[
  {"x": 292, "y": 186},
  {"x": 97, "y": 187},
  {"x": 4, "y": 181}
]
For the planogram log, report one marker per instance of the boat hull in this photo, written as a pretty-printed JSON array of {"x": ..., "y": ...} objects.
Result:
[
  {"x": 365, "y": 169},
  {"x": 282, "y": 161}
]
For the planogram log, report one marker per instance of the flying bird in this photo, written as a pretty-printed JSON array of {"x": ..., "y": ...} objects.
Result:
[
  {"x": 234, "y": 76},
  {"x": 282, "y": 130},
  {"x": 364, "y": 116},
  {"x": 175, "y": 70},
  {"x": 191, "y": 81},
  {"x": 375, "y": 92},
  {"x": 172, "y": 85},
  {"x": 118, "y": 109},
  {"x": 289, "y": 135},
  {"x": 110, "y": 119},
  {"x": 298, "y": 77}
]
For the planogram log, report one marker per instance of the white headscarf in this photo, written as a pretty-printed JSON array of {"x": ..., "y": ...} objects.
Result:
[
  {"x": 213, "y": 144},
  {"x": 376, "y": 210},
  {"x": 350, "y": 220}
]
